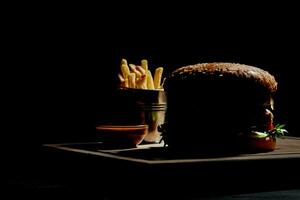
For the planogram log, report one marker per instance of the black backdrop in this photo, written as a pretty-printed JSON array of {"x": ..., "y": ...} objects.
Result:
[
  {"x": 61, "y": 75},
  {"x": 62, "y": 68}
]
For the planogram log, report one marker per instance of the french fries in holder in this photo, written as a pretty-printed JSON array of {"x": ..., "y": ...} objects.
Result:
[{"x": 142, "y": 98}]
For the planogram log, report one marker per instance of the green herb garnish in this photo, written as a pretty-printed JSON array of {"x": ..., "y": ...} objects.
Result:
[{"x": 277, "y": 131}]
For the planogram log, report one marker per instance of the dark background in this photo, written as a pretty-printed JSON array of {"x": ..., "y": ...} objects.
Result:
[
  {"x": 61, "y": 72},
  {"x": 61, "y": 77},
  {"x": 63, "y": 63},
  {"x": 61, "y": 87}
]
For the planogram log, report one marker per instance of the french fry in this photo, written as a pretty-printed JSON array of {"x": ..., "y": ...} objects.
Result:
[
  {"x": 141, "y": 83},
  {"x": 125, "y": 70},
  {"x": 124, "y": 62},
  {"x": 149, "y": 79},
  {"x": 157, "y": 77},
  {"x": 131, "y": 80},
  {"x": 126, "y": 84},
  {"x": 150, "y": 84},
  {"x": 141, "y": 70},
  {"x": 122, "y": 80},
  {"x": 144, "y": 64},
  {"x": 143, "y": 79},
  {"x": 133, "y": 69}
]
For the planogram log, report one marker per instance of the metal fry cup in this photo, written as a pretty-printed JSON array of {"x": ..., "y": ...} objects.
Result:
[{"x": 143, "y": 106}]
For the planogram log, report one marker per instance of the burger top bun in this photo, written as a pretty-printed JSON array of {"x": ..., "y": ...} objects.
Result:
[{"x": 219, "y": 70}]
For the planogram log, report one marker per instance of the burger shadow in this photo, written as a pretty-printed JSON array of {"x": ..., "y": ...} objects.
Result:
[
  {"x": 160, "y": 153},
  {"x": 167, "y": 153}
]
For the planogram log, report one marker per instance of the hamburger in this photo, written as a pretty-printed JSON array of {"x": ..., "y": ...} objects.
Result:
[{"x": 221, "y": 106}]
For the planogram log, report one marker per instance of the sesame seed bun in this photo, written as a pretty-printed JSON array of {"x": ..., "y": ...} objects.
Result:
[{"x": 226, "y": 71}]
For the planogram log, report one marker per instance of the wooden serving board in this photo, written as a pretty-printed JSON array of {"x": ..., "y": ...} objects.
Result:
[
  {"x": 121, "y": 169},
  {"x": 155, "y": 154}
]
